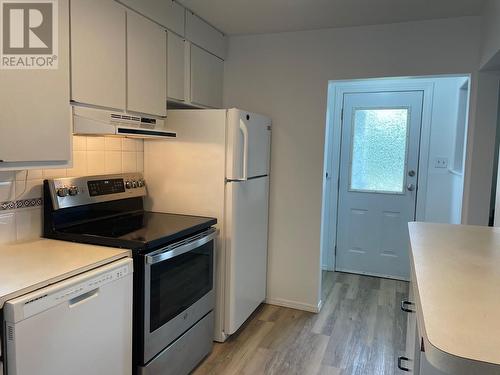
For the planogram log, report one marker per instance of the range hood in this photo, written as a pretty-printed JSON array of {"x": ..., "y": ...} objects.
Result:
[{"x": 93, "y": 121}]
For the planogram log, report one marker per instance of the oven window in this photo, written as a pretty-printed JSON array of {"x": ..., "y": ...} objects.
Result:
[{"x": 179, "y": 282}]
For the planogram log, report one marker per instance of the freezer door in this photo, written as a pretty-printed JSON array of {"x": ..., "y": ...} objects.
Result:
[
  {"x": 246, "y": 250},
  {"x": 248, "y": 145}
]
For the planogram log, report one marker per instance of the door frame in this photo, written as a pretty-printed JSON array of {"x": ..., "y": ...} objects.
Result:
[{"x": 333, "y": 134}]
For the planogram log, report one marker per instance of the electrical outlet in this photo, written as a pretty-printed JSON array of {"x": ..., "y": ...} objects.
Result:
[{"x": 441, "y": 162}]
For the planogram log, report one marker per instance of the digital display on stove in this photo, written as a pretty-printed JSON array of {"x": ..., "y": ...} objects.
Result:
[{"x": 105, "y": 187}]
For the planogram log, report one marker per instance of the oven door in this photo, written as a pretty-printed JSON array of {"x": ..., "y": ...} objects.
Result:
[{"x": 179, "y": 290}]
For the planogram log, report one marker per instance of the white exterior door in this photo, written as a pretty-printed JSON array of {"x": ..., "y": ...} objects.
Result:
[{"x": 378, "y": 181}]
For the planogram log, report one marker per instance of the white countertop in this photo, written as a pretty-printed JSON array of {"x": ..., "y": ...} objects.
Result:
[
  {"x": 456, "y": 270},
  {"x": 27, "y": 266}
]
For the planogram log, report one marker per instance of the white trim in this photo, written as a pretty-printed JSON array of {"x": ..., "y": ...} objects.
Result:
[
  {"x": 295, "y": 305},
  {"x": 320, "y": 305},
  {"x": 327, "y": 267},
  {"x": 357, "y": 272}
]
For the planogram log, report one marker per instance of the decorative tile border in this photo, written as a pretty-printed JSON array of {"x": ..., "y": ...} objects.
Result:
[{"x": 22, "y": 203}]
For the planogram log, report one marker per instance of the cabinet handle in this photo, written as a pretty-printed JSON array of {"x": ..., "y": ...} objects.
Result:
[
  {"x": 400, "y": 364},
  {"x": 406, "y": 309}
]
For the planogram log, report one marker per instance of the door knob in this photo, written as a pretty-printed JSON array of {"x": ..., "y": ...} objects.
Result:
[{"x": 410, "y": 187}]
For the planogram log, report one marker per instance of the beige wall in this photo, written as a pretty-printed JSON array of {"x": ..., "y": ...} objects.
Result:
[
  {"x": 91, "y": 156},
  {"x": 285, "y": 76}
]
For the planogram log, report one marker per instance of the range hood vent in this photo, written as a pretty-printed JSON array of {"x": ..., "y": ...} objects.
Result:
[{"x": 93, "y": 121}]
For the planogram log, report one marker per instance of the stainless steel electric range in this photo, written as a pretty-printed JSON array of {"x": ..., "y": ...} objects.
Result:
[{"x": 173, "y": 263}]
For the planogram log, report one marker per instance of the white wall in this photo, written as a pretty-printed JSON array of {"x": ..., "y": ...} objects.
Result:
[
  {"x": 480, "y": 148},
  {"x": 443, "y": 187},
  {"x": 21, "y": 193},
  {"x": 490, "y": 30},
  {"x": 285, "y": 76}
]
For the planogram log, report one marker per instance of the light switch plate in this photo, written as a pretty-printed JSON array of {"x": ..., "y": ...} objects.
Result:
[{"x": 441, "y": 162}]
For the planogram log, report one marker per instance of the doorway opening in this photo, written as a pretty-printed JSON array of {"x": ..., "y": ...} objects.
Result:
[{"x": 394, "y": 153}]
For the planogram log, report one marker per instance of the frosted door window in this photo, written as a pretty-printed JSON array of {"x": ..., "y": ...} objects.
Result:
[{"x": 378, "y": 154}]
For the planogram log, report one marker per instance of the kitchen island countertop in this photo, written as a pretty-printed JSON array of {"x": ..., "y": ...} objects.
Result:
[{"x": 456, "y": 281}]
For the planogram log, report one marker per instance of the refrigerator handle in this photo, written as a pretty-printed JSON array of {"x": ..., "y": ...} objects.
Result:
[{"x": 244, "y": 131}]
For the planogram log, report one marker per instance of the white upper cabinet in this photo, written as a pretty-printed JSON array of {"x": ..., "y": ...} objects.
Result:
[
  {"x": 176, "y": 67},
  {"x": 202, "y": 34},
  {"x": 35, "y": 115},
  {"x": 166, "y": 12},
  {"x": 206, "y": 78},
  {"x": 98, "y": 53},
  {"x": 146, "y": 66}
]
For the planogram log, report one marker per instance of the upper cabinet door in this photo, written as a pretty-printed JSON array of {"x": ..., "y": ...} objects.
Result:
[
  {"x": 176, "y": 67},
  {"x": 98, "y": 53},
  {"x": 166, "y": 12},
  {"x": 206, "y": 78},
  {"x": 146, "y": 66},
  {"x": 204, "y": 35},
  {"x": 35, "y": 114}
]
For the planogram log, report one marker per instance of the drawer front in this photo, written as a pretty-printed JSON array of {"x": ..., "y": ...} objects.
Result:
[{"x": 186, "y": 352}]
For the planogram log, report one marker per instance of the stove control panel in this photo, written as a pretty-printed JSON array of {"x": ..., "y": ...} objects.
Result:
[
  {"x": 71, "y": 192},
  {"x": 106, "y": 186},
  {"x": 134, "y": 184}
]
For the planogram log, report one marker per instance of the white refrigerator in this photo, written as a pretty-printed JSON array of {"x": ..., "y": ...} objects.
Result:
[{"x": 218, "y": 166}]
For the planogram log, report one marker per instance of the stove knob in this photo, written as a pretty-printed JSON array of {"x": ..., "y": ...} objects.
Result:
[
  {"x": 140, "y": 183},
  {"x": 62, "y": 192},
  {"x": 134, "y": 184},
  {"x": 73, "y": 190},
  {"x": 128, "y": 185}
]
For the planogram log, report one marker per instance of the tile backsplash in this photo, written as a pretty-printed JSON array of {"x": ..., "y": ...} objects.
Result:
[{"x": 21, "y": 191}]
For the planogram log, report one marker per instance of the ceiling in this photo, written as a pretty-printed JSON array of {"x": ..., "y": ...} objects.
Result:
[{"x": 268, "y": 16}]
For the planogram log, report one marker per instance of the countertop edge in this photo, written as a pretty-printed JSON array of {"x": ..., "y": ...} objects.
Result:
[
  {"x": 64, "y": 276},
  {"x": 438, "y": 357}
]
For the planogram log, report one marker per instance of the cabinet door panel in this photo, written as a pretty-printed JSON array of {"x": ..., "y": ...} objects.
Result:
[
  {"x": 98, "y": 53},
  {"x": 166, "y": 12},
  {"x": 427, "y": 369},
  {"x": 176, "y": 67},
  {"x": 146, "y": 66},
  {"x": 35, "y": 114},
  {"x": 204, "y": 35},
  {"x": 206, "y": 78}
]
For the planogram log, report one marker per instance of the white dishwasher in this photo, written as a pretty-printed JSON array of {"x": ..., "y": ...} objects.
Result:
[{"x": 80, "y": 326}]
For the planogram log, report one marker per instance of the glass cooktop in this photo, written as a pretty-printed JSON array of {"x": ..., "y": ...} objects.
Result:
[{"x": 144, "y": 228}]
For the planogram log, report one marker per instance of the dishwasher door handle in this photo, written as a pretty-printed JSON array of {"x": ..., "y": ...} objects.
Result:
[{"x": 83, "y": 298}]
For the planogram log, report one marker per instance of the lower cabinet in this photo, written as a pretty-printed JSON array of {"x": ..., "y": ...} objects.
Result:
[
  {"x": 414, "y": 361},
  {"x": 427, "y": 369},
  {"x": 410, "y": 362}
]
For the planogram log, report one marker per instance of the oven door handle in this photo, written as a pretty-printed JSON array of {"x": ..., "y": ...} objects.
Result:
[{"x": 181, "y": 248}]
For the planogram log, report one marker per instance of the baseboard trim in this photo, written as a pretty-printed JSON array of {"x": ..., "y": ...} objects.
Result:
[
  {"x": 326, "y": 267},
  {"x": 320, "y": 306},
  {"x": 294, "y": 305}
]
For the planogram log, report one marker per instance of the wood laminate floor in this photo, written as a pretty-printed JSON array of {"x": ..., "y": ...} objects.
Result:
[{"x": 360, "y": 330}]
